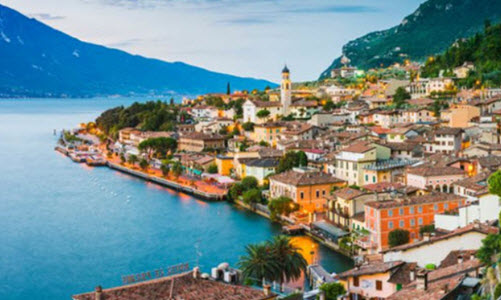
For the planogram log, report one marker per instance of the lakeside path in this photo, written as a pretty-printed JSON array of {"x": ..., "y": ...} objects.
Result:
[{"x": 183, "y": 181}]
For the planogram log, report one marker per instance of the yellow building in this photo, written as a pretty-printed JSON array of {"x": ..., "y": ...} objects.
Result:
[
  {"x": 224, "y": 165},
  {"x": 460, "y": 115},
  {"x": 268, "y": 132}
]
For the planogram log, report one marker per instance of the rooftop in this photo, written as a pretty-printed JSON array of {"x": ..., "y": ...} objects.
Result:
[
  {"x": 297, "y": 177},
  {"x": 423, "y": 199}
]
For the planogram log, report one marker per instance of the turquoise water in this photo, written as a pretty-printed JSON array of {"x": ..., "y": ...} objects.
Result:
[{"x": 66, "y": 228}]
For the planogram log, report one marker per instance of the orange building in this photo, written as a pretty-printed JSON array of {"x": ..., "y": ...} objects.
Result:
[
  {"x": 307, "y": 187},
  {"x": 382, "y": 217}
]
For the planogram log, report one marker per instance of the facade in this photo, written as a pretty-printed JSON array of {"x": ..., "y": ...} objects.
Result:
[
  {"x": 381, "y": 217},
  {"x": 197, "y": 142},
  {"x": 305, "y": 186},
  {"x": 434, "y": 177},
  {"x": 445, "y": 140},
  {"x": 261, "y": 168}
]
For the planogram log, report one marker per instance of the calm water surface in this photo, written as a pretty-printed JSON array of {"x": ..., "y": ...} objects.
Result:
[{"x": 65, "y": 227}]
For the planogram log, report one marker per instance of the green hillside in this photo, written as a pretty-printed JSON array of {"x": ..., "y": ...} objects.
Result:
[
  {"x": 483, "y": 49},
  {"x": 430, "y": 30}
]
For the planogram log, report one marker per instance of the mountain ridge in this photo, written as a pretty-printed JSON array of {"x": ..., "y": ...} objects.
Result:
[
  {"x": 429, "y": 30},
  {"x": 40, "y": 61}
]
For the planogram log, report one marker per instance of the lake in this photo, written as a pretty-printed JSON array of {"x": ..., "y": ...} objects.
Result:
[{"x": 66, "y": 228}]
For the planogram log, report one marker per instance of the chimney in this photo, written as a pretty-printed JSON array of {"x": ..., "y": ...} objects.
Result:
[
  {"x": 196, "y": 272},
  {"x": 422, "y": 280},
  {"x": 460, "y": 259},
  {"x": 267, "y": 289},
  {"x": 412, "y": 275},
  {"x": 99, "y": 292}
]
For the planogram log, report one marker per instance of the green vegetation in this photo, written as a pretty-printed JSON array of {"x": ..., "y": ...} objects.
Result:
[
  {"x": 165, "y": 168},
  {"x": 494, "y": 182},
  {"x": 248, "y": 126},
  {"x": 158, "y": 146},
  {"x": 400, "y": 97},
  {"x": 332, "y": 290},
  {"x": 177, "y": 169},
  {"x": 143, "y": 164},
  {"x": 238, "y": 189},
  {"x": 427, "y": 31},
  {"x": 212, "y": 169},
  {"x": 483, "y": 50},
  {"x": 71, "y": 138},
  {"x": 430, "y": 266},
  {"x": 291, "y": 160},
  {"x": 252, "y": 197},
  {"x": 281, "y": 206},
  {"x": 276, "y": 260},
  {"x": 426, "y": 229},
  {"x": 398, "y": 237},
  {"x": 249, "y": 182},
  {"x": 263, "y": 114},
  {"x": 132, "y": 159},
  {"x": 152, "y": 116}
]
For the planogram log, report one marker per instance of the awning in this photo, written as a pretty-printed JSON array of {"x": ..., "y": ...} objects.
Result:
[{"x": 330, "y": 229}]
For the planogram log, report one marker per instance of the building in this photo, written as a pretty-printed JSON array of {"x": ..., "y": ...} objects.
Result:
[
  {"x": 260, "y": 168},
  {"x": 187, "y": 285},
  {"x": 269, "y": 132},
  {"x": 204, "y": 112},
  {"x": 306, "y": 186},
  {"x": 350, "y": 161},
  {"x": 460, "y": 115},
  {"x": 434, "y": 177},
  {"x": 376, "y": 279},
  {"x": 417, "y": 115},
  {"x": 409, "y": 213},
  {"x": 198, "y": 142},
  {"x": 463, "y": 70},
  {"x": 434, "y": 249},
  {"x": 445, "y": 140},
  {"x": 124, "y": 135}
]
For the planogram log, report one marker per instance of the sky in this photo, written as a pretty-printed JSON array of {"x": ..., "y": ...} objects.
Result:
[{"x": 250, "y": 38}]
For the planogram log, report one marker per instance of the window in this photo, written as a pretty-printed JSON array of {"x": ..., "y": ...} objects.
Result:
[
  {"x": 379, "y": 285},
  {"x": 411, "y": 210},
  {"x": 420, "y": 221},
  {"x": 435, "y": 207},
  {"x": 390, "y": 213},
  {"x": 401, "y": 211},
  {"x": 356, "y": 281},
  {"x": 420, "y": 209},
  {"x": 446, "y": 205},
  {"x": 413, "y": 222},
  {"x": 318, "y": 193},
  {"x": 323, "y": 193},
  {"x": 401, "y": 223},
  {"x": 302, "y": 195},
  {"x": 390, "y": 224},
  {"x": 366, "y": 178},
  {"x": 373, "y": 178}
]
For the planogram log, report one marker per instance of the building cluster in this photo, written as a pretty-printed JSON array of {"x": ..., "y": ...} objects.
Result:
[{"x": 372, "y": 168}]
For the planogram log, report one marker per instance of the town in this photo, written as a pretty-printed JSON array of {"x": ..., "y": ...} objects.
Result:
[{"x": 398, "y": 172}]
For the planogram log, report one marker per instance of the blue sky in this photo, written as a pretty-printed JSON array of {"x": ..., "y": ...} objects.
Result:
[{"x": 241, "y": 37}]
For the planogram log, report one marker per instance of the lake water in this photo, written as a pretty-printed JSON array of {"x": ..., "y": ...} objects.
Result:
[{"x": 66, "y": 228}]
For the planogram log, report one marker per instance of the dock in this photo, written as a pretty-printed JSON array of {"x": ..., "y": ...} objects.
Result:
[{"x": 317, "y": 276}]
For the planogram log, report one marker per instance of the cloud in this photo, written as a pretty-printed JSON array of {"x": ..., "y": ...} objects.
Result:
[
  {"x": 125, "y": 43},
  {"x": 46, "y": 16},
  {"x": 246, "y": 21}
]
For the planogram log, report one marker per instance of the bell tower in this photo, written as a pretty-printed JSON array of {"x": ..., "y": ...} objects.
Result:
[{"x": 286, "y": 91}]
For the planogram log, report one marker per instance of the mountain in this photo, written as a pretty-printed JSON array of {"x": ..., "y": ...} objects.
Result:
[
  {"x": 431, "y": 29},
  {"x": 39, "y": 61},
  {"x": 483, "y": 50}
]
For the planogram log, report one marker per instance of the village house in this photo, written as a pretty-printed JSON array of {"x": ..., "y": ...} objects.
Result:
[
  {"x": 463, "y": 70},
  {"x": 260, "y": 168},
  {"x": 303, "y": 109},
  {"x": 444, "y": 139},
  {"x": 305, "y": 186},
  {"x": 350, "y": 161},
  {"x": 438, "y": 178},
  {"x": 269, "y": 132},
  {"x": 409, "y": 213},
  {"x": 204, "y": 112},
  {"x": 460, "y": 115},
  {"x": 434, "y": 249},
  {"x": 198, "y": 142},
  {"x": 417, "y": 115}
]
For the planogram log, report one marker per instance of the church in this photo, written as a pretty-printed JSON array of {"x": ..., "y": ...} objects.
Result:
[{"x": 275, "y": 108}]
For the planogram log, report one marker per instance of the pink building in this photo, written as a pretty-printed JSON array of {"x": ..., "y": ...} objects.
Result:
[{"x": 434, "y": 177}]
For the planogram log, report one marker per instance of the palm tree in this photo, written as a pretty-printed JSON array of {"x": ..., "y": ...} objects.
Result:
[
  {"x": 290, "y": 261},
  {"x": 133, "y": 159},
  {"x": 258, "y": 263}
]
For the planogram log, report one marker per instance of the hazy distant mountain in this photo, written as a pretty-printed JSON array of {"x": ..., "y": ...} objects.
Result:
[
  {"x": 431, "y": 29},
  {"x": 37, "y": 60}
]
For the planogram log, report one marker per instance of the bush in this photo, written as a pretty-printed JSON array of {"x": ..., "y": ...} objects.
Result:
[
  {"x": 248, "y": 126},
  {"x": 249, "y": 183},
  {"x": 252, "y": 196},
  {"x": 332, "y": 290},
  {"x": 236, "y": 191},
  {"x": 282, "y": 206},
  {"x": 426, "y": 229},
  {"x": 430, "y": 267},
  {"x": 212, "y": 169},
  {"x": 497, "y": 291},
  {"x": 398, "y": 237}
]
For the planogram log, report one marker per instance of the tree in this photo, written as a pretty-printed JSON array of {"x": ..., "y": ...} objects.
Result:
[
  {"x": 290, "y": 160},
  {"x": 264, "y": 144},
  {"x": 160, "y": 146},
  {"x": 165, "y": 168},
  {"x": 398, "y": 237},
  {"x": 248, "y": 126},
  {"x": 133, "y": 159},
  {"x": 257, "y": 263},
  {"x": 212, "y": 169},
  {"x": 282, "y": 206},
  {"x": 332, "y": 290},
  {"x": 143, "y": 164},
  {"x": 228, "y": 89},
  {"x": 252, "y": 197},
  {"x": 236, "y": 190},
  {"x": 263, "y": 114},
  {"x": 171, "y": 101},
  {"x": 494, "y": 182},
  {"x": 122, "y": 158},
  {"x": 177, "y": 169},
  {"x": 249, "y": 183},
  {"x": 435, "y": 108},
  {"x": 400, "y": 96},
  {"x": 303, "y": 159},
  {"x": 491, "y": 246},
  {"x": 426, "y": 229},
  {"x": 291, "y": 263}
]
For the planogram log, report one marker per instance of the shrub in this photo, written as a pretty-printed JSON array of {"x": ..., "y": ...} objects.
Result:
[
  {"x": 398, "y": 237},
  {"x": 249, "y": 183}
]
